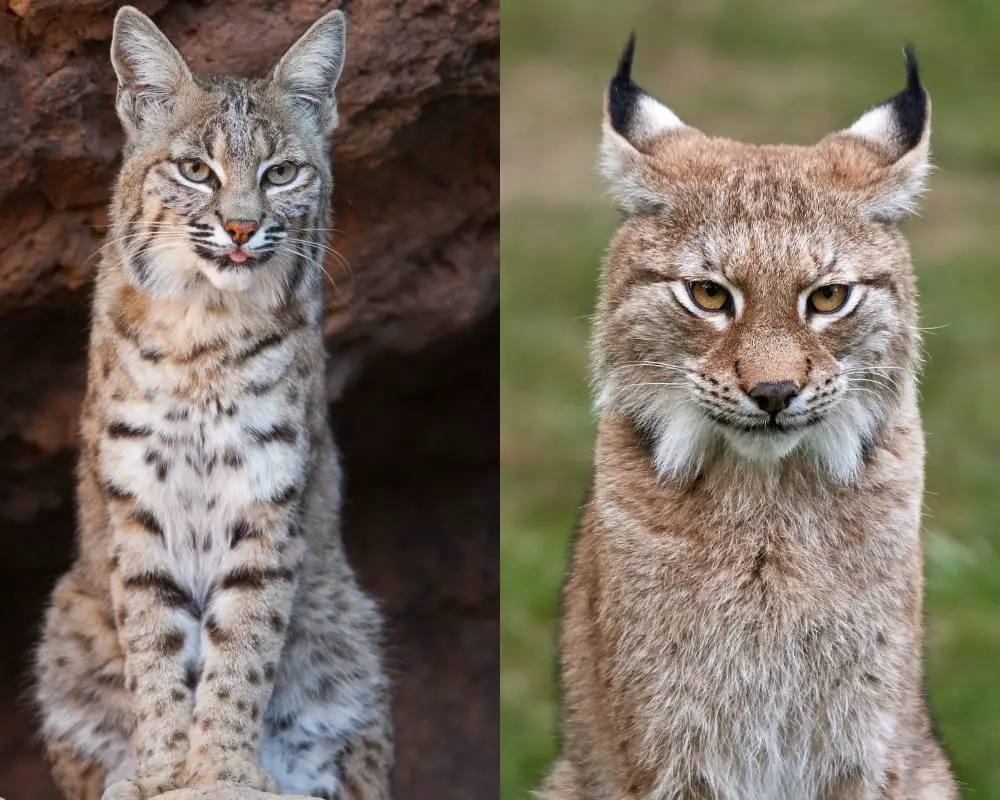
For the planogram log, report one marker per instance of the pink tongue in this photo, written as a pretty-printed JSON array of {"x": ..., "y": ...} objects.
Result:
[{"x": 238, "y": 256}]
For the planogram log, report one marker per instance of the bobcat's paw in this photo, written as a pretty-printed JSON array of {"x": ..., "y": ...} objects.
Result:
[
  {"x": 138, "y": 789},
  {"x": 229, "y": 768}
]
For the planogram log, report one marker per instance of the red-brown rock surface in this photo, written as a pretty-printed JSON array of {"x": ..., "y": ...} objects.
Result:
[{"x": 411, "y": 330}]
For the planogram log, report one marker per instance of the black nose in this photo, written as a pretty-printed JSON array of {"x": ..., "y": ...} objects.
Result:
[{"x": 774, "y": 396}]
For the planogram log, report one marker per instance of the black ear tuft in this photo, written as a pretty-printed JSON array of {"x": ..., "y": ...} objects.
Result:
[
  {"x": 623, "y": 93},
  {"x": 910, "y": 105}
]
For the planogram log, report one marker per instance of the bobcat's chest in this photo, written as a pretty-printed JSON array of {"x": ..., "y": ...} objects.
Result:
[{"x": 199, "y": 469}]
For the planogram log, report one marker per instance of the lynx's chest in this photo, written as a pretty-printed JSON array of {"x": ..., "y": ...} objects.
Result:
[{"x": 749, "y": 647}]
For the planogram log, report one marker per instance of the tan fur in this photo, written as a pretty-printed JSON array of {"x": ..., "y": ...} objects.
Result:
[
  {"x": 211, "y": 629},
  {"x": 742, "y": 618}
]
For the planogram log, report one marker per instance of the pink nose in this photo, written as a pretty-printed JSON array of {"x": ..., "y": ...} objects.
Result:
[{"x": 240, "y": 230}]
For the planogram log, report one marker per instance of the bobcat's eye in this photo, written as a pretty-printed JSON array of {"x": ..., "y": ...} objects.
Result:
[
  {"x": 708, "y": 296},
  {"x": 827, "y": 299},
  {"x": 280, "y": 174},
  {"x": 195, "y": 171}
]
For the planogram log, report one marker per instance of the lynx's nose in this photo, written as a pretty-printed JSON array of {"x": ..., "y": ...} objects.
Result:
[
  {"x": 774, "y": 396},
  {"x": 240, "y": 230}
]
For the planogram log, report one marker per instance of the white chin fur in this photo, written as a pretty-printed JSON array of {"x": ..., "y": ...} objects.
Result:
[
  {"x": 230, "y": 280},
  {"x": 763, "y": 446},
  {"x": 685, "y": 440}
]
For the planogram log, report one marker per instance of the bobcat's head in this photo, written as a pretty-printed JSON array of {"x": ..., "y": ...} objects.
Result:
[
  {"x": 224, "y": 179},
  {"x": 759, "y": 299}
]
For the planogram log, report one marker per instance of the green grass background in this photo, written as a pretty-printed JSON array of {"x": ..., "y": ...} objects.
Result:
[{"x": 764, "y": 71}]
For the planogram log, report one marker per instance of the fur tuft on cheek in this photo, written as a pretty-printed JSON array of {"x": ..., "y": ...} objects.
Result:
[{"x": 838, "y": 445}]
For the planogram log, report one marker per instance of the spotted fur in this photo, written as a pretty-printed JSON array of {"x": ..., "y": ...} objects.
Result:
[
  {"x": 211, "y": 628},
  {"x": 743, "y": 612}
]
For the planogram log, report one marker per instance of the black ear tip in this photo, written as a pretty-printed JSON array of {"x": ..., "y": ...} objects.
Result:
[
  {"x": 623, "y": 93},
  {"x": 912, "y": 68},
  {"x": 624, "y": 72}
]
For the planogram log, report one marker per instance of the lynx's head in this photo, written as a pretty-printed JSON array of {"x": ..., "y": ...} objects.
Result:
[
  {"x": 758, "y": 301},
  {"x": 224, "y": 179}
]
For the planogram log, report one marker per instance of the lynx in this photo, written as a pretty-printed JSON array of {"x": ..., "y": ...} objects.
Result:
[
  {"x": 742, "y": 615},
  {"x": 211, "y": 629}
]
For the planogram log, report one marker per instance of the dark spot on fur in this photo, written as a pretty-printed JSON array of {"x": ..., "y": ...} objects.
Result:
[
  {"x": 241, "y": 530},
  {"x": 123, "y": 430},
  {"x": 269, "y": 671},
  {"x": 282, "y": 432},
  {"x": 191, "y": 675},
  {"x": 117, "y": 492},
  {"x": 232, "y": 458},
  {"x": 166, "y": 589},
  {"x": 282, "y": 724},
  {"x": 147, "y": 521},
  {"x": 256, "y": 348},
  {"x": 216, "y": 635},
  {"x": 285, "y": 496},
  {"x": 252, "y": 578},
  {"x": 253, "y": 676},
  {"x": 172, "y": 642},
  {"x": 178, "y": 414}
]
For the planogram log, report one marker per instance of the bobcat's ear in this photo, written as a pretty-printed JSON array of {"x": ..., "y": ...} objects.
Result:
[
  {"x": 150, "y": 70},
  {"x": 896, "y": 136},
  {"x": 633, "y": 122},
  {"x": 309, "y": 71}
]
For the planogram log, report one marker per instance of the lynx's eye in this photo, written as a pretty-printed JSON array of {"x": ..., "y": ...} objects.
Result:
[
  {"x": 827, "y": 299},
  {"x": 280, "y": 174},
  {"x": 195, "y": 171},
  {"x": 708, "y": 296}
]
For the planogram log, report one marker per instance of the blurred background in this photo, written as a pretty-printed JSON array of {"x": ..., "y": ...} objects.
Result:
[{"x": 765, "y": 72}]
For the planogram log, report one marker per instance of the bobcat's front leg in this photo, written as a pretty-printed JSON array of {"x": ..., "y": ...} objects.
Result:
[
  {"x": 242, "y": 639},
  {"x": 157, "y": 623}
]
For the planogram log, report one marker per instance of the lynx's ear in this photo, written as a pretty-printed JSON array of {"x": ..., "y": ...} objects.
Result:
[
  {"x": 150, "y": 70},
  {"x": 896, "y": 135},
  {"x": 309, "y": 71},
  {"x": 633, "y": 122}
]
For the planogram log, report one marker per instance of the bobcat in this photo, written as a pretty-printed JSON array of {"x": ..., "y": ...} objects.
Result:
[
  {"x": 742, "y": 615},
  {"x": 211, "y": 629}
]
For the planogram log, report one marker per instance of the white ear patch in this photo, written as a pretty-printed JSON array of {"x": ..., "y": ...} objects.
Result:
[{"x": 877, "y": 126}]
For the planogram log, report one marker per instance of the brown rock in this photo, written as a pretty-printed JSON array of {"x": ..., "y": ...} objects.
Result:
[{"x": 411, "y": 331}]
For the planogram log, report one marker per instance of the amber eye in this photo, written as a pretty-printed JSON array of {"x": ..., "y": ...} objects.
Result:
[
  {"x": 827, "y": 299},
  {"x": 707, "y": 295},
  {"x": 195, "y": 171},
  {"x": 280, "y": 174}
]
